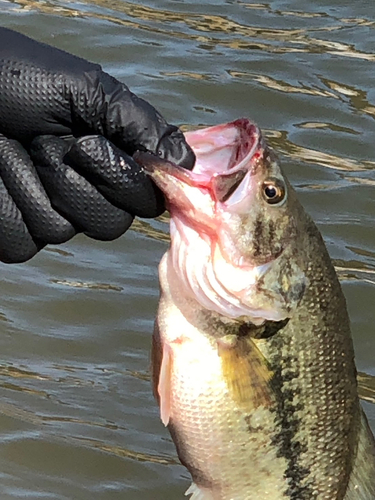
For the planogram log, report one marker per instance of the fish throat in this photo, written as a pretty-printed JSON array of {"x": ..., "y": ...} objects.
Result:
[{"x": 214, "y": 281}]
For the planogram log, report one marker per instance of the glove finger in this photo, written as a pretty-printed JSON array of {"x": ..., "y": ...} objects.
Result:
[
  {"x": 23, "y": 185},
  {"x": 122, "y": 181},
  {"x": 73, "y": 196},
  {"x": 16, "y": 243},
  {"x": 130, "y": 122}
]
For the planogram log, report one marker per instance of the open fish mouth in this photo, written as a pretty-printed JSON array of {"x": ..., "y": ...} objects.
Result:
[{"x": 225, "y": 154}]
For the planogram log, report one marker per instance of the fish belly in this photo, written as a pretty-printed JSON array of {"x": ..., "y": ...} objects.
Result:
[{"x": 227, "y": 450}]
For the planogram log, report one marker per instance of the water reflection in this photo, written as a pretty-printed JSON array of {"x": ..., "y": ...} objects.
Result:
[{"x": 162, "y": 21}]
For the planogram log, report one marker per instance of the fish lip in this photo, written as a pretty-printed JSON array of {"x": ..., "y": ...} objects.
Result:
[
  {"x": 248, "y": 147},
  {"x": 152, "y": 164}
]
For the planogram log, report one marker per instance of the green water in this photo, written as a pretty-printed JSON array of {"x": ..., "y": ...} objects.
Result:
[{"x": 77, "y": 416}]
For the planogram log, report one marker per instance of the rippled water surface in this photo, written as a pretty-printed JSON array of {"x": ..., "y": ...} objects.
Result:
[{"x": 77, "y": 417}]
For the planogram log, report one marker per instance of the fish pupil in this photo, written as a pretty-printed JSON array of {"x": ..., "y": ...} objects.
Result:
[
  {"x": 270, "y": 191},
  {"x": 274, "y": 191}
]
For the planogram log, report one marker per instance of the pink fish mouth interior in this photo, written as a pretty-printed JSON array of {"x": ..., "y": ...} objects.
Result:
[
  {"x": 223, "y": 148},
  {"x": 224, "y": 154}
]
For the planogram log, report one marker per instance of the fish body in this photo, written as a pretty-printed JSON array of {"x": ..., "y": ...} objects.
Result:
[{"x": 253, "y": 362}]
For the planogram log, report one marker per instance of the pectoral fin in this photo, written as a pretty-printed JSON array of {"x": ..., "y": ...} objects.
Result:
[{"x": 247, "y": 374}]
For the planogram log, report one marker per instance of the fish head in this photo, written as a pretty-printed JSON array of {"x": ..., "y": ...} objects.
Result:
[{"x": 234, "y": 224}]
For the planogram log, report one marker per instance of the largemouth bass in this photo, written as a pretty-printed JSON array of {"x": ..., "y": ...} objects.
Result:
[{"x": 253, "y": 362}]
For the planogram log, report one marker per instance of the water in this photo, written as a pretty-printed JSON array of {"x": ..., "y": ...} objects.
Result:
[{"x": 77, "y": 417}]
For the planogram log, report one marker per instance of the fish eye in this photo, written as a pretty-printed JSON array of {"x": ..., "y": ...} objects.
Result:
[{"x": 274, "y": 191}]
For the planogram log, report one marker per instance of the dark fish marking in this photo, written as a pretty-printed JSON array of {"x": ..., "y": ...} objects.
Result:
[
  {"x": 273, "y": 327},
  {"x": 294, "y": 293},
  {"x": 288, "y": 424},
  {"x": 265, "y": 331},
  {"x": 265, "y": 244},
  {"x": 258, "y": 237},
  {"x": 271, "y": 231}
]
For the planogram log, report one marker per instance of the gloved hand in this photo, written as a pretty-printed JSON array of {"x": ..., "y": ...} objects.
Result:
[{"x": 68, "y": 131}]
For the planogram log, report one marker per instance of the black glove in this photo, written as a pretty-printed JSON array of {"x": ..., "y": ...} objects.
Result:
[{"x": 59, "y": 174}]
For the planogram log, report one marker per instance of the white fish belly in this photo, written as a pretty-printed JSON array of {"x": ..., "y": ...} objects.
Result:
[{"x": 228, "y": 452}]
